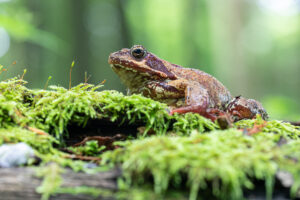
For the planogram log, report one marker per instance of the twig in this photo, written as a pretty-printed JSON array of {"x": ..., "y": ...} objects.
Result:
[
  {"x": 32, "y": 129},
  {"x": 24, "y": 72},
  {"x": 72, "y": 65},
  {"x": 86, "y": 78},
  {"x": 46, "y": 84},
  {"x": 85, "y": 158}
]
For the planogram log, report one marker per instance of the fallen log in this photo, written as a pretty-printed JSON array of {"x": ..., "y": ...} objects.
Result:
[{"x": 21, "y": 183}]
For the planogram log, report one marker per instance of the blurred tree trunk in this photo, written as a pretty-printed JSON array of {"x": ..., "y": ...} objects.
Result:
[
  {"x": 56, "y": 17},
  {"x": 190, "y": 31},
  {"x": 32, "y": 53},
  {"x": 196, "y": 35},
  {"x": 227, "y": 50},
  {"x": 80, "y": 44},
  {"x": 21, "y": 183},
  {"x": 125, "y": 34}
]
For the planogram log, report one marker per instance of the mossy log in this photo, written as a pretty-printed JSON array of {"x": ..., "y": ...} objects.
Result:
[
  {"x": 21, "y": 183},
  {"x": 186, "y": 152}
]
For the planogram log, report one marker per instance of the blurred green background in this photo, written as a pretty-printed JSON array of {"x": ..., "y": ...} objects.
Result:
[{"x": 252, "y": 46}]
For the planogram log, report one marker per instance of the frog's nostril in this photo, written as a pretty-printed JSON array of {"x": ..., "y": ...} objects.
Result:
[{"x": 113, "y": 58}]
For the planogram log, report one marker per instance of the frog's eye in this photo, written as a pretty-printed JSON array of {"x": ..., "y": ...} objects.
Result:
[{"x": 138, "y": 51}]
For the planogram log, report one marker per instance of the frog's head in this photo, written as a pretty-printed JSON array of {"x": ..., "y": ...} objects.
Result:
[{"x": 136, "y": 61}]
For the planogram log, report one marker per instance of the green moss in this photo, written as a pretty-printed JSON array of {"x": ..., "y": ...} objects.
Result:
[
  {"x": 274, "y": 126},
  {"x": 91, "y": 191},
  {"x": 56, "y": 109},
  {"x": 42, "y": 143},
  {"x": 185, "y": 124},
  {"x": 12, "y": 101},
  {"x": 228, "y": 160},
  {"x": 53, "y": 110},
  {"x": 142, "y": 192},
  {"x": 14, "y": 90}
]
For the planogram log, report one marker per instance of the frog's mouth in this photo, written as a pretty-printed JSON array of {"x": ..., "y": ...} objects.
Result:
[
  {"x": 153, "y": 74},
  {"x": 120, "y": 67},
  {"x": 132, "y": 78}
]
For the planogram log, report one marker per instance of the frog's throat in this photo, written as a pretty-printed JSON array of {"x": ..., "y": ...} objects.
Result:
[{"x": 133, "y": 79}]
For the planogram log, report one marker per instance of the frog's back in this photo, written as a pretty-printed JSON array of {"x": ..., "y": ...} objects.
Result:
[{"x": 218, "y": 93}]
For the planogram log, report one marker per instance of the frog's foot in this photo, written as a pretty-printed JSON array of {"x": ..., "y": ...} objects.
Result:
[{"x": 242, "y": 108}]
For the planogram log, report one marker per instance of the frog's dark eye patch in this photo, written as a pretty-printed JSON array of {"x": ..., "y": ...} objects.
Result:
[{"x": 138, "y": 51}]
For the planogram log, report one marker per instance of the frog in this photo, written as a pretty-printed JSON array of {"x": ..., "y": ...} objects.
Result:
[{"x": 183, "y": 89}]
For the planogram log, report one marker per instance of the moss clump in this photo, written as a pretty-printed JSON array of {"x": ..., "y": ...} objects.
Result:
[
  {"x": 274, "y": 126},
  {"x": 228, "y": 160},
  {"x": 12, "y": 101},
  {"x": 53, "y": 110},
  {"x": 184, "y": 124}
]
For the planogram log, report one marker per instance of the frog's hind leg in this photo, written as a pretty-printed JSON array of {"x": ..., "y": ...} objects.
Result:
[{"x": 242, "y": 108}]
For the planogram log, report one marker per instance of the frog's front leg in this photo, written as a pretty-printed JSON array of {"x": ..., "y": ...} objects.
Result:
[
  {"x": 161, "y": 90},
  {"x": 197, "y": 100}
]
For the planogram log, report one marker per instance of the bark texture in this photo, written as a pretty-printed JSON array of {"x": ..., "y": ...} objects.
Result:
[{"x": 21, "y": 183}]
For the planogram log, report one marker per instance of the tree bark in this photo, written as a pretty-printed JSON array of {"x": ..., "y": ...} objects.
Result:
[{"x": 21, "y": 183}]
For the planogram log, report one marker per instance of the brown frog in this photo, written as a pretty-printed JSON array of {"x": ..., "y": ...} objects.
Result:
[{"x": 183, "y": 89}]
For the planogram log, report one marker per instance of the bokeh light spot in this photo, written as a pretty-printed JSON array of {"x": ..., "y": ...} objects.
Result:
[
  {"x": 281, "y": 7},
  {"x": 4, "y": 41}
]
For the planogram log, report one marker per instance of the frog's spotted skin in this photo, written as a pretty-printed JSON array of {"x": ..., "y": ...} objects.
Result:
[{"x": 183, "y": 89}]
